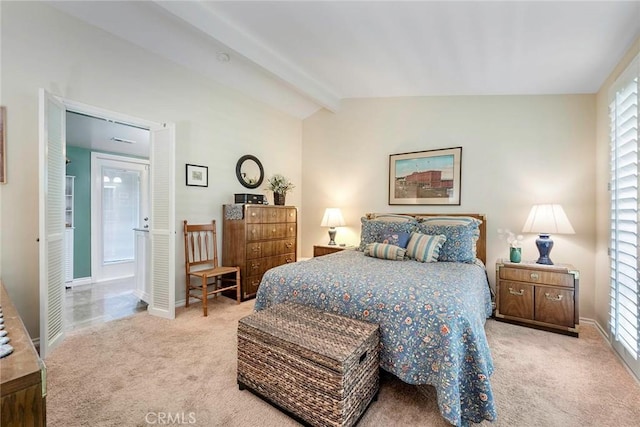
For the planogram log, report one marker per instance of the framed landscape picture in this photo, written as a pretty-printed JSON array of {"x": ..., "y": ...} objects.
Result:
[
  {"x": 197, "y": 176},
  {"x": 425, "y": 177}
]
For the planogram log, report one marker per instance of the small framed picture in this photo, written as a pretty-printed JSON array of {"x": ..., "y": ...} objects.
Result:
[
  {"x": 425, "y": 177},
  {"x": 197, "y": 176}
]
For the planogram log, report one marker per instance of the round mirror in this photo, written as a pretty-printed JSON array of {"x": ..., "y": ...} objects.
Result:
[{"x": 249, "y": 171}]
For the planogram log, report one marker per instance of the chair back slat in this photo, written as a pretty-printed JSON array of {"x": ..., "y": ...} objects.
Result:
[{"x": 200, "y": 245}]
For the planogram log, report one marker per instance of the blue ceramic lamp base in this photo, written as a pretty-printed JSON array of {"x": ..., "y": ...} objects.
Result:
[{"x": 544, "y": 244}]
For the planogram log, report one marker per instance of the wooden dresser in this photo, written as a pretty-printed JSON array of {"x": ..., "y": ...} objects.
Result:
[
  {"x": 540, "y": 296},
  {"x": 257, "y": 238},
  {"x": 22, "y": 374}
]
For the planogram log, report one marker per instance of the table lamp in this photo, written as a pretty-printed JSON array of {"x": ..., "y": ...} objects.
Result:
[
  {"x": 332, "y": 218},
  {"x": 547, "y": 219}
]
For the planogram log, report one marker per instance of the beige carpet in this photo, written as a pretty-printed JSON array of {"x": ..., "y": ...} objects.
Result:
[{"x": 135, "y": 371}]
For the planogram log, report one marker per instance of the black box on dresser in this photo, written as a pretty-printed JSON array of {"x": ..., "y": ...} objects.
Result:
[{"x": 254, "y": 199}]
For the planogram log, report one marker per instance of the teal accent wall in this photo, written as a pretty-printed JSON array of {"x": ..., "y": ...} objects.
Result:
[{"x": 80, "y": 167}]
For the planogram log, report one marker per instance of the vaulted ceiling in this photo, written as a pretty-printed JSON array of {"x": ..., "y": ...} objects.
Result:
[{"x": 305, "y": 55}]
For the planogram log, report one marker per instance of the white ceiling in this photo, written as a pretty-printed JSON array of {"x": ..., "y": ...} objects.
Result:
[
  {"x": 99, "y": 134},
  {"x": 301, "y": 56}
]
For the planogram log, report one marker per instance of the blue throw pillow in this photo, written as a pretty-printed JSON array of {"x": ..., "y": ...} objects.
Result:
[{"x": 397, "y": 238}]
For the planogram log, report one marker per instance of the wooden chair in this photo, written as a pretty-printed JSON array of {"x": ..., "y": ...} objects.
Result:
[{"x": 201, "y": 261}]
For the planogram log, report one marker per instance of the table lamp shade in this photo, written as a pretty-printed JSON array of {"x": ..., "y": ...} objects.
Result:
[
  {"x": 332, "y": 218},
  {"x": 547, "y": 219}
]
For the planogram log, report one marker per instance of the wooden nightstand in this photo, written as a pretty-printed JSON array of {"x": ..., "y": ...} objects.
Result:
[
  {"x": 539, "y": 296},
  {"x": 319, "y": 250}
]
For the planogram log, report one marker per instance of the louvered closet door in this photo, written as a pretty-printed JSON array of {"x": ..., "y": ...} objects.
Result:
[
  {"x": 51, "y": 221},
  {"x": 162, "y": 221}
]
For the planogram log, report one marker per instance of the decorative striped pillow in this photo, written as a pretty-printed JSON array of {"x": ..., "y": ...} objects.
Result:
[
  {"x": 385, "y": 251},
  {"x": 425, "y": 248}
]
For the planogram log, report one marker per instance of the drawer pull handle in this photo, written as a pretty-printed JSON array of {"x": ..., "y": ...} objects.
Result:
[
  {"x": 273, "y": 231},
  {"x": 254, "y": 231},
  {"x": 514, "y": 292},
  {"x": 552, "y": 297},
  {"x": 288, "y": 245},
  {"x": 289, "y": 260},
  {"x": 253, "y": 214},
  {"x": 534, "y": 276},
  {"x": 255, "y": 266},
  {"x": 256, "y": 249}
]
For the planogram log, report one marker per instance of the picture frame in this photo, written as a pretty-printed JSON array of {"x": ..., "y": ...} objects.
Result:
[
  {"x": 197, "y": 175},
  {"x": 3, "y": 151},
  {"x": 430, "y": 177}
]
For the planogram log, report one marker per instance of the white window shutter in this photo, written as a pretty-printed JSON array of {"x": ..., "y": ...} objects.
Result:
[{"x": 625, "y": 293}]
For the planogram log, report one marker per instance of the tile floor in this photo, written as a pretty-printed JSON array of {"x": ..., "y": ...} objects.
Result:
[{"x": 87, "y": 305}]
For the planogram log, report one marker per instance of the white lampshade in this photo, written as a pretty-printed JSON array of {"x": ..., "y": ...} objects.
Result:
[
  {"x": 547, "y": 219},
  {"x": 332, "y": 218}
]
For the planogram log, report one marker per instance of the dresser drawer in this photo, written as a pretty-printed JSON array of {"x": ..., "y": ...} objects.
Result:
[
  {"x": 251, "y": 285},
  {"x": 554, "y": 306},
  {"x": 270, "y": 231},
  {"x": 291, "y": 215},
  {"x": 537, "y": 276},
  {"x": 256, "y": 215},
  {"x": 258, "y": 266},
  {"x": 270, "y": 248},
  {"x": 516, "y": 300}
]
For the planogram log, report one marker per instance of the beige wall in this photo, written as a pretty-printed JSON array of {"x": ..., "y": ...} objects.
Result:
[
  {"x": 601, "y": 291},
  {"x": 517, "y": 151},
  {"x": 42, "y": 47}
]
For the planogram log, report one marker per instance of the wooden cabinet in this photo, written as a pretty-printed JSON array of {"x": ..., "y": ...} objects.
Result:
[
  {"x": 22, "y": 373},
  {"x": 319, "y": 250},
  {"x": 540, "y": 296},
  {"x": 257, "y": 238}
]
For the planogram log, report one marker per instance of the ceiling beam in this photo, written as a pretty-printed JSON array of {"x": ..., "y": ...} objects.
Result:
[{"x": 204, "y": 18}]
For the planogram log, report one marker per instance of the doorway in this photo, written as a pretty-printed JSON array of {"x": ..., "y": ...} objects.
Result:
[
  {"x": 119, "y": 205},
  {"x": 51, "y": 224}
]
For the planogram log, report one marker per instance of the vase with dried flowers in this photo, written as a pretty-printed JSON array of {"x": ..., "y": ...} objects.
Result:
[
  {"x": 280, "y": 185},
  {"x": 515, "y": 244}
]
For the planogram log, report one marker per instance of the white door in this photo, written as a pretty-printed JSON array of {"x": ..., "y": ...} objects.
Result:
[
  {"x": 51, "y": 225},
  {"x": 119, "y": 199},
  {"x": 163, "y": 228}
]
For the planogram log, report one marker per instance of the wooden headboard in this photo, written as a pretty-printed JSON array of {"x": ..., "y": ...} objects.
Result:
[{"x": 481, "y": 244}]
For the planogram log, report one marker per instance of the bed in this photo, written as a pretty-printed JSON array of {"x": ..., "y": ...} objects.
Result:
[{"x": 431, "y": 314}]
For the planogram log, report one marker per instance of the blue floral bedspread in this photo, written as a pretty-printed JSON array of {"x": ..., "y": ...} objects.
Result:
[{"x": 431, "y": 318}]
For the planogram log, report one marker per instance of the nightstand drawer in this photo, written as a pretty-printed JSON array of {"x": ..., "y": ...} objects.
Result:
[
  {"x": 554, "y": 306},
  {"x": 537, "y": 276},
  {"x": 516, "y": 300}
]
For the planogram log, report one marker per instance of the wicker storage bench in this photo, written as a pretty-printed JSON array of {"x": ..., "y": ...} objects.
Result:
[{"x": 319, "y": 367}]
